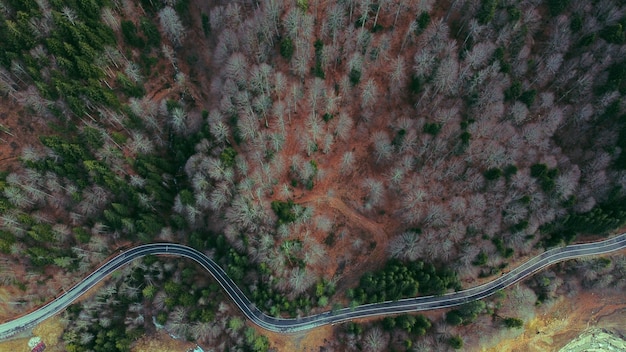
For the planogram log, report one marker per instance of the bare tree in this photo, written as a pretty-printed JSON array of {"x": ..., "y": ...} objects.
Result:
[
  {"x": 375, "y": 192},
  {"x": 405, "y": 246},
  {"x": 369, "y": 94},
  {"x": 375, "y": 340},
  {"x": 110, "y": 19},
  {"x": 382, "y": 146},
  {"x": 171, "y": 24},
  {"x": 347, "y": 163}
]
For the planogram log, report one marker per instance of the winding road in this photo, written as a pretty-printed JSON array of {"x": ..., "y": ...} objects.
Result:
[{"x": 330, "y": 317}]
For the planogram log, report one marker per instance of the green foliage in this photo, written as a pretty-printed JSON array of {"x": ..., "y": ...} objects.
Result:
[
  {"x": 130, "y": 88},
  {"x": 519, "y": 226},
  {"x": 416, "y": 84},
  {"x": 318, "y": 70},
  {"x": 206, "y": 25},
  {"x": 513, "y": 323},
  {"x": 466, "y": 313},
  {"x": 227, "y": 157},
  {"x": 286, "y": 48},
  {"x": 481, "y": 259},
  {"x": 576, "y": 23},
  {"x": 6, "y": 240},
  {"x": 400, "y": 280},
  {"x": 547, "y": 177},
  {"x": 40, "y": 256},
  {"x": 92, "y": 137},
  {"x": 150, "y": 30},
  {"x": 455, "y": 342},
  {"x": 354, "y": 328},
  {"x": 354, "y": 76},
  {"x": 557, "y": 6},
  {"x": 507, "y": 252},
  {"x": 514, "y": 13},
  {"x": 509, "y": 171},
  {"x": 81, "y": 235},
  {"x": 604, "y": 217},
  {"x": 129, "y": 32},
  {"x": 423, "y": 20},
  {"x": 465, "y": 137},
  {"x": 616, "y": 79},
  {"x": 186, "y": 197},
  {"x": 528, "y": 97},
  {"x": 432, "y": 128},
  {"x": 614, "y": 34},
  {"x": 284, "y": 211},
  {"x": 454, "y": 318},
  {"x": 487, "y": 11},
  {"x": 514, "y": 91},
  {"x": 493, "y": 174},
  {"x": 587, "y": 40},
  {"x": 303, "y": 5}
]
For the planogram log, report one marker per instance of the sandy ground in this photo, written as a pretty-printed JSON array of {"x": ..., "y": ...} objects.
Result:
[
  {"x": 306, "y": 341},
  {"x": 161, "y": 342},
  {"x": 568, "y": 318},
  {"x": 50, "y": 331}
]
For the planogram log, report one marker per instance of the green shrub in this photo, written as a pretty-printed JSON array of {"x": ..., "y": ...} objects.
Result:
[
  {"x": 129, "y": 32},
  {"x": 286, "y": 48},
  {"x": 493, "y": 174},
  {"x": 432, "y": 128},
  {"x": 456, "y": 342},
  {"x": 284, "y": 211},
  {"x": 355, "y": 76}
]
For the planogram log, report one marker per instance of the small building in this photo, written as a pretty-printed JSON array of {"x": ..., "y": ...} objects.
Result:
[
  {"x": 40, "y": 347},
  {"x": 36, "y": 345}
]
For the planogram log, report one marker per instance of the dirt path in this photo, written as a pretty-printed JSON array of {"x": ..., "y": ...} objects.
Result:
[
  {"x": 376, "y": 255},
  {"x": 355, "y": 218}
]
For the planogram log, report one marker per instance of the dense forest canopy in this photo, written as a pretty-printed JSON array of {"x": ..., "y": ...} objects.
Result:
[{"x": 300, "y": 141}]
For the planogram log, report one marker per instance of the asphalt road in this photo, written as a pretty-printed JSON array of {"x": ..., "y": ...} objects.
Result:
[{"x": 281, "y": 325}]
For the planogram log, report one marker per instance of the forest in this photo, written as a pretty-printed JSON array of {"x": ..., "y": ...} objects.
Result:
[{"x": 325, "y": 153}]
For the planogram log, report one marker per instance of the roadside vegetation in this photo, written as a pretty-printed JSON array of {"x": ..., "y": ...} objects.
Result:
[{"x": 350, "y": 151}]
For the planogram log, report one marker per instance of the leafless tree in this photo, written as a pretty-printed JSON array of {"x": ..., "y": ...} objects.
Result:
[
  {"x": 172, "y": 26},
  {"x": 405, "y": 246},
  {"x": 375, "y": 340},
  {"x": 110, "y": 19}
]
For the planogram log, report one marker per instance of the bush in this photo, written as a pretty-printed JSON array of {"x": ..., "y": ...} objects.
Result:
[
  {"x": 613, "y": 34},
  {"x": 511, "y": 323},
  {"x": 355, "y": 76},
  {"x": 228, "y": 156},
  {"x": 514, "y": 91},
  {"x": 487, "y": 11},
  {"x": 481, "y": 259},
  {"x": 206, "y": 25},
  {"x": 493, "y": 174},
  {"x": 284, "y": 211},
  {"x": 557, "y": 6},
  {"x": 456, "y": 342},
  {"x": 129, "y": 31},
  {"x": 286, "y": 48},
  {"x": 454, "y": 318},
  {"x": 423, "y": 20},
  {"x": 151, "y": 32},
  {"x": 528, "y": 97},
  {"x": 432, "y": 128}
]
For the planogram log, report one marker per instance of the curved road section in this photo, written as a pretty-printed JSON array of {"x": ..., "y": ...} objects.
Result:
[{"x": 330, "y": 317}]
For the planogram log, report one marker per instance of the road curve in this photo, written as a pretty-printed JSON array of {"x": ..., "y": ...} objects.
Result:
[{"x": 330, "y": 317}]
